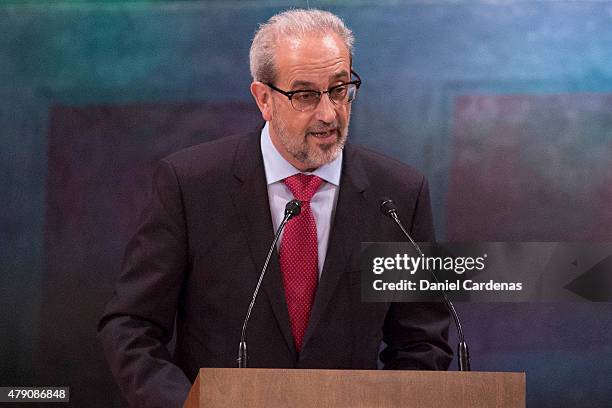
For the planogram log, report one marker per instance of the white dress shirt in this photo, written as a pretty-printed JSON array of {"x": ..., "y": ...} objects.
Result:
[{"x": 322, "y": 204}]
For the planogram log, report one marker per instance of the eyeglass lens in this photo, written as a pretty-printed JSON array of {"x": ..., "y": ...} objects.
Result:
[{"x": 308, "y": 100}]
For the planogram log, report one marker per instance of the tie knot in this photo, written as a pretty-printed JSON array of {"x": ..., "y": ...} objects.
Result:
[{"x": 303, "y": 186}]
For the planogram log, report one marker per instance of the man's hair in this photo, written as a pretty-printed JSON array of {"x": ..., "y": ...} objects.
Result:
[{"x": 296, "y": 23}]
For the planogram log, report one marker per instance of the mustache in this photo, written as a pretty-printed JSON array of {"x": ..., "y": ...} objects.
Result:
[{"x": 324, "y": 128}]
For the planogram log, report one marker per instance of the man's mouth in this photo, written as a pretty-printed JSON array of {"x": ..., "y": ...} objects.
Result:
[{"x": 324, "y": 135}]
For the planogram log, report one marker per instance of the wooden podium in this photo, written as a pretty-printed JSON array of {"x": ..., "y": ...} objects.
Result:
[{"x": 270, "y": 388}]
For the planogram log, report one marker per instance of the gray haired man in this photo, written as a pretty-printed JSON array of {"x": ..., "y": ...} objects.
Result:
[{"x": 193, "y": 264}]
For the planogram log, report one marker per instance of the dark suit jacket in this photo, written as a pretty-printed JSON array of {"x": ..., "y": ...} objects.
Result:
[{"x": 197, "y": 255}]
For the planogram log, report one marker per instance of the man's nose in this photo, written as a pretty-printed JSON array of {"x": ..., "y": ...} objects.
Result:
[{"x": 326, "y": 110}]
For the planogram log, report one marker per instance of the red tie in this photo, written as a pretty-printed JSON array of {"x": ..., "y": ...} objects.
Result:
[{"x": 299, "y": 256}]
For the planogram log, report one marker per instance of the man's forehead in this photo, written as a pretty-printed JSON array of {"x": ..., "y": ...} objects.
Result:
[{"x": 319, "y": 56}]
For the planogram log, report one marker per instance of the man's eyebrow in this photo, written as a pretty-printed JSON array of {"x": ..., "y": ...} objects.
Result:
[
  {"x": 342, "y": 74},
  {"x": 306, "y": 85},
  {"x": 302, "y": 85}
]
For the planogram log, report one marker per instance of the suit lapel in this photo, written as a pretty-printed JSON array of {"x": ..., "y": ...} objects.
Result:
[
  {"x": 344, "y": 236},
  {"x": 253, "y": 209}
]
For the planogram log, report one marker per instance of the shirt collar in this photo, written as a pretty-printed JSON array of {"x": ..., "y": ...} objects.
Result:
[{"x": 278, "y": 169}]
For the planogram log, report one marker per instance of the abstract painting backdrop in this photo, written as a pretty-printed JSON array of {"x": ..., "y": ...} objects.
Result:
[{"x": 506, "y": 106}]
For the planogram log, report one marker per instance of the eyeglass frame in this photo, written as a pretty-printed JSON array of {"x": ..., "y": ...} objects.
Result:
[{"x": 290, "y": 94}]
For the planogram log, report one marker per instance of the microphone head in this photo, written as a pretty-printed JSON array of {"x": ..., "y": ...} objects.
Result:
[
  {"x": 293, "y": 208},
  {"x": 387, "y": 206}
]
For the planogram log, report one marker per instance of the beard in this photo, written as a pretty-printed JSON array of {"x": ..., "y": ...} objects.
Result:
[{"x": 312, "y": 156}]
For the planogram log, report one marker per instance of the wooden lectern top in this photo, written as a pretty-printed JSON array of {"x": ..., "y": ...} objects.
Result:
[{"x": 297, "y": 388}]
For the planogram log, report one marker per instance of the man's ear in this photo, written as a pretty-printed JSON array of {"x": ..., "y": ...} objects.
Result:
[{"x": 262, "y": 96}]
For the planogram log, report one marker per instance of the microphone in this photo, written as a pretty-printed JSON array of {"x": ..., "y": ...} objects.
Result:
[
  {"x": 388, "y": 208},
  {"x": 292, "y": 209}
]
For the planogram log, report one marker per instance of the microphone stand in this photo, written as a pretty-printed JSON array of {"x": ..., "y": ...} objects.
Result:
[
  {"x": 292, "y": 209},
  {"x": 387, "y": 206}
]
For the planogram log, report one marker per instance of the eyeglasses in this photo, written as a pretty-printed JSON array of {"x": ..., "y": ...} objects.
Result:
[{"x": 307, "y": 100}]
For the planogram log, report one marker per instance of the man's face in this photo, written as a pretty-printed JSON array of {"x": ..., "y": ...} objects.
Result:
[{"x": 310, "y": 139}]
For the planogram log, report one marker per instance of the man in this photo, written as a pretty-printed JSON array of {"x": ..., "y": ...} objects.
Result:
[{"x": 195, "y": 260}]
